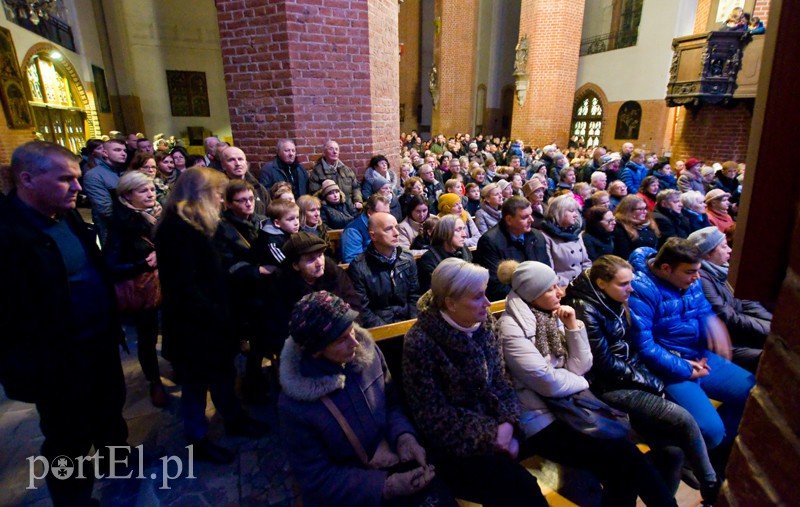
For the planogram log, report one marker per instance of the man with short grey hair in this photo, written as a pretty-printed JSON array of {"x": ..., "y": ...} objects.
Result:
[
  {"x": 209, "y": 144},
  {"x": 330, "y": 167},
  {"x": 285, "y": 167}
]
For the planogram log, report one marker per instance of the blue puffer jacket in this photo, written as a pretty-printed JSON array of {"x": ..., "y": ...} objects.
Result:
[
  {"x": 632, "y": 175},
  {"x": 667, "y": 324}
]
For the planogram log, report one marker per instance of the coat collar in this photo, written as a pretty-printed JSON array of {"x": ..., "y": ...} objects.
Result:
[{"x": 306, "y": 379}]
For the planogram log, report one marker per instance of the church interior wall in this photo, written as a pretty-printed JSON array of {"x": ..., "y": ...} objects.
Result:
[{"x": 409, "y": 34}]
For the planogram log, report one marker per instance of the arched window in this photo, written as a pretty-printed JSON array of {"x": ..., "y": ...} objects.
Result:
[
  {"x": 587, "y": 120},
  {"x": 59, "y": 114}
]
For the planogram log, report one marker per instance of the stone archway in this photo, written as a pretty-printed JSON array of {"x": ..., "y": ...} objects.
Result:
[
  {"x": 596, "y": 122},
  {"x": 64, "y": 64}
]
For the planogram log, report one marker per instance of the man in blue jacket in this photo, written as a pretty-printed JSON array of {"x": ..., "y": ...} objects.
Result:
[{"x": 684, "y": 342}]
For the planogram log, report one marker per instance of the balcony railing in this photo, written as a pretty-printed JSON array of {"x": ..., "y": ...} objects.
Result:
[
  {"x": 609, "y": 41},
  {"x": 51, "y": 29}
]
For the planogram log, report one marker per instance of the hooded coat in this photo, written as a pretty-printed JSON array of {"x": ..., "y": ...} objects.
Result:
[{"x": 323, "y": 460}]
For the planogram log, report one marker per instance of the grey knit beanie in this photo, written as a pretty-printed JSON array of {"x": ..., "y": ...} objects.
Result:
[
  {"x": 706, "y": 239},
  {"x": 531, "y": 279}
]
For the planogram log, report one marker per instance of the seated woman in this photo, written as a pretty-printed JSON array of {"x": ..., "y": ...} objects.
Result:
[
  {"x": 668, "y": 216},
  {"x": 748, "y": 322},
  {"x": 378, "y": 166},
  {"x": 447, "y": 240},
  {"x": 620, "y": 378},
  {"x": 562, "y": 235},
  {"x": 547, "y": 353},
  {"x": 489, "y": 213},
  {"x": 383, "y": 186},
  {"x": 423, "y": 239},
  {"x": 599, "y": 234},
  {"x": 416, "y": 214},
  {"x": 336, "y": 212},
  {"x": 648, "y": 191},
  {"x": 634, "y": 227},
  {"x": 412, "y": 187},
  {"x": 534, "y": 191},
  {"x": 450, "y": 204},
  {"x": 348, "y": 441},
  {"x": 694, "y": 209},
  {"x": 718, "y": 202},
  {"x": 459, "y": 395},
  {"x": 311, "y": 220}
]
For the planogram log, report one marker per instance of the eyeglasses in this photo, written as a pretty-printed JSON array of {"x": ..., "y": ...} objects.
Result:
[
  {"x": 243, "y": 200},
  {"x": 609, "y": 221},
  {"x": 640, "y": 209}
]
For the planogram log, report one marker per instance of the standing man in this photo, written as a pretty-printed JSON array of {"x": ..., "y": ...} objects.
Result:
[
  {"x": 330, "y": 167},
  {"x": 60, "y": 343},
  {"x": 285, "y": 167},
  {"x": 625, "y": 152},
  {"x": 209, "y": 145},
  {"x": 144, "y": 144},
  {"x": 100, "y": 184},
  {"x": 234, "y": 165}
]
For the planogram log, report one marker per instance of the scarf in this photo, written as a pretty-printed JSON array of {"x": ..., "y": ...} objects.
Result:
[
  {"x": 549, "y": 339},
  {"x": 150, "y": 214},
  {"x": 497, "y": 214},
  {"x": 571, "y": 233},
  {"x": 718, "y": 272}
]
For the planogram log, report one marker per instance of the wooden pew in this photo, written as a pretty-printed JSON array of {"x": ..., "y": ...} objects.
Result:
[{"x": 416, "y": 257}]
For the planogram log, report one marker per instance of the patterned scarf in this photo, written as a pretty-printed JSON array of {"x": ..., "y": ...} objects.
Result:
[
  {"x": 150, "y": 214},
  {"x": 549, "y": 339}
]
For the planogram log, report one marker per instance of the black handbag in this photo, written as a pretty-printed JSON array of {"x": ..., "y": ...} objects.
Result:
[{"x": 585, "y": 413}]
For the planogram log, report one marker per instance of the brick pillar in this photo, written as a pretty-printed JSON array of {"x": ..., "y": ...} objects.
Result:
[
  {"x": 310, "y": 71},
  {"x": 455, "y": 50},
  {"x": 554, "y": 36}
]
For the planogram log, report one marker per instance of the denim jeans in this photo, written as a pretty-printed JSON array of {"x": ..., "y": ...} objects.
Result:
[
  {"x": 726, "y": 383},
  {"x": 663, "y": 423}
]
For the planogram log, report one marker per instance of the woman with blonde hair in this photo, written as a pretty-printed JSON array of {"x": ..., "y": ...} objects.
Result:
[
  {"x": 198, "y": 335},
  {"x": 311, "y": 219},
  {"x": 635, "y": 228},
  {"x": 458, "y": 393},
  {"x": 562, "y": 235},
  {"x": 130, "y": 254},
  {"x": 166, "y": 175},
  {"x": 451, "y": 204}
]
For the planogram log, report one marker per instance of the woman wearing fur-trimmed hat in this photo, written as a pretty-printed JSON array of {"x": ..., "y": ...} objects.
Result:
[
  {"x": 349, "y": 442},
  {"x": 336, "y": 211},
  {"x": 547, "y": 354}
]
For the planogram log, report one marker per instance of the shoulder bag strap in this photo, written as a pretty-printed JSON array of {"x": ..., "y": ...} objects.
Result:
[{"x": 347, "y": 429}]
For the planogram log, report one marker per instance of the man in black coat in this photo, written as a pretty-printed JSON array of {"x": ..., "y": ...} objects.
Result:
[
  {"x": 385, "y": 276},
  {"x": 285, "y": 167},
  {"x": 61, "y": 335},
  {"x": 512, "y": 238}
]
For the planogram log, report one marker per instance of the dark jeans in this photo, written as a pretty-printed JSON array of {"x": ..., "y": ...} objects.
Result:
[
  {"x": 619, "y": 465},
  {"x": 662, "y": 423},
  {"x": 494, "y": 481},
  {"x": 193, "y": 399},
  {"x": 84, "y": 411},
  {"x": 146, "y": 322}
]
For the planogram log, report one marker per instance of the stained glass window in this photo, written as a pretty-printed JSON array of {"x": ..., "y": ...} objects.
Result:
[{"x": 587, "y": 120}]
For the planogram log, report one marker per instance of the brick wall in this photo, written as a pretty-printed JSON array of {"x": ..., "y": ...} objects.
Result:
[
  {"x": 701, "y": 20},
  {"x": 303, "y": 70},
  {"x": 454, "y": 55},
  {"x": 384, "y": 79},
  {"x": 654, "y": 122},
  {"x": 409, "y": 36},
  {"x": 713, "y": 133},
  {"x": 761, "y": 10},
  {"x": 11, "y": 138},
  {"x": 553, "y": 69}
]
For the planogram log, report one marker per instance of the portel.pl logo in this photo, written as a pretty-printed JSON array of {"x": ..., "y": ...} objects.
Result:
[{"x": 64, "y": 467}]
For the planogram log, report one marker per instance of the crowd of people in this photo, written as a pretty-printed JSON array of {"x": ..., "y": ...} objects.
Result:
[{"x": 223, "y": 259}]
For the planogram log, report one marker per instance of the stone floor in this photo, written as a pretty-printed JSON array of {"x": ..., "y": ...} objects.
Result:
[{"x": 259, "y": 476}]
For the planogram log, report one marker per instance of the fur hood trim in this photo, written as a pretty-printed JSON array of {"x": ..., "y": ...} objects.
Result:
[{"x": 301, "y": 387}]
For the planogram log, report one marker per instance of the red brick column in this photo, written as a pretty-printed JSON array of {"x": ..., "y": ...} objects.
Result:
[
  {"x": 312, "y": 70},
  {"x": 554, "y": 36},
  {"x": 455, "y": 50}
]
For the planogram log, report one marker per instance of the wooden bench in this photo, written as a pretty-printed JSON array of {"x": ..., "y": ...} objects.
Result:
[{"x": 416, "y": 257}]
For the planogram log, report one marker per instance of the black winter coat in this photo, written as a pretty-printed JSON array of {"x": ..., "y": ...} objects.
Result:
[
  {"x": 130, "y": 241},
  {"x": 388, "y": 291},
  {"x": 39, "y": 356},
  {"x": 496, "y": 246},
  {"x": 430, "y": 259},
  {"x": 597, "y": 246},
  {"x": 337, "y": 216},
  {"x": 198, "y": 331},
  {"x": 671, "y": 224},
  {"x": 615, "y": 363},
  {"x": 696, "y": 220},
  {"x": 624, "y": 245},
  {"x": 748, "y": 322}
]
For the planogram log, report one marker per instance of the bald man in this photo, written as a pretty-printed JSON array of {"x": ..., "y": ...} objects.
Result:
[{"x": 385, "y": 276}]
